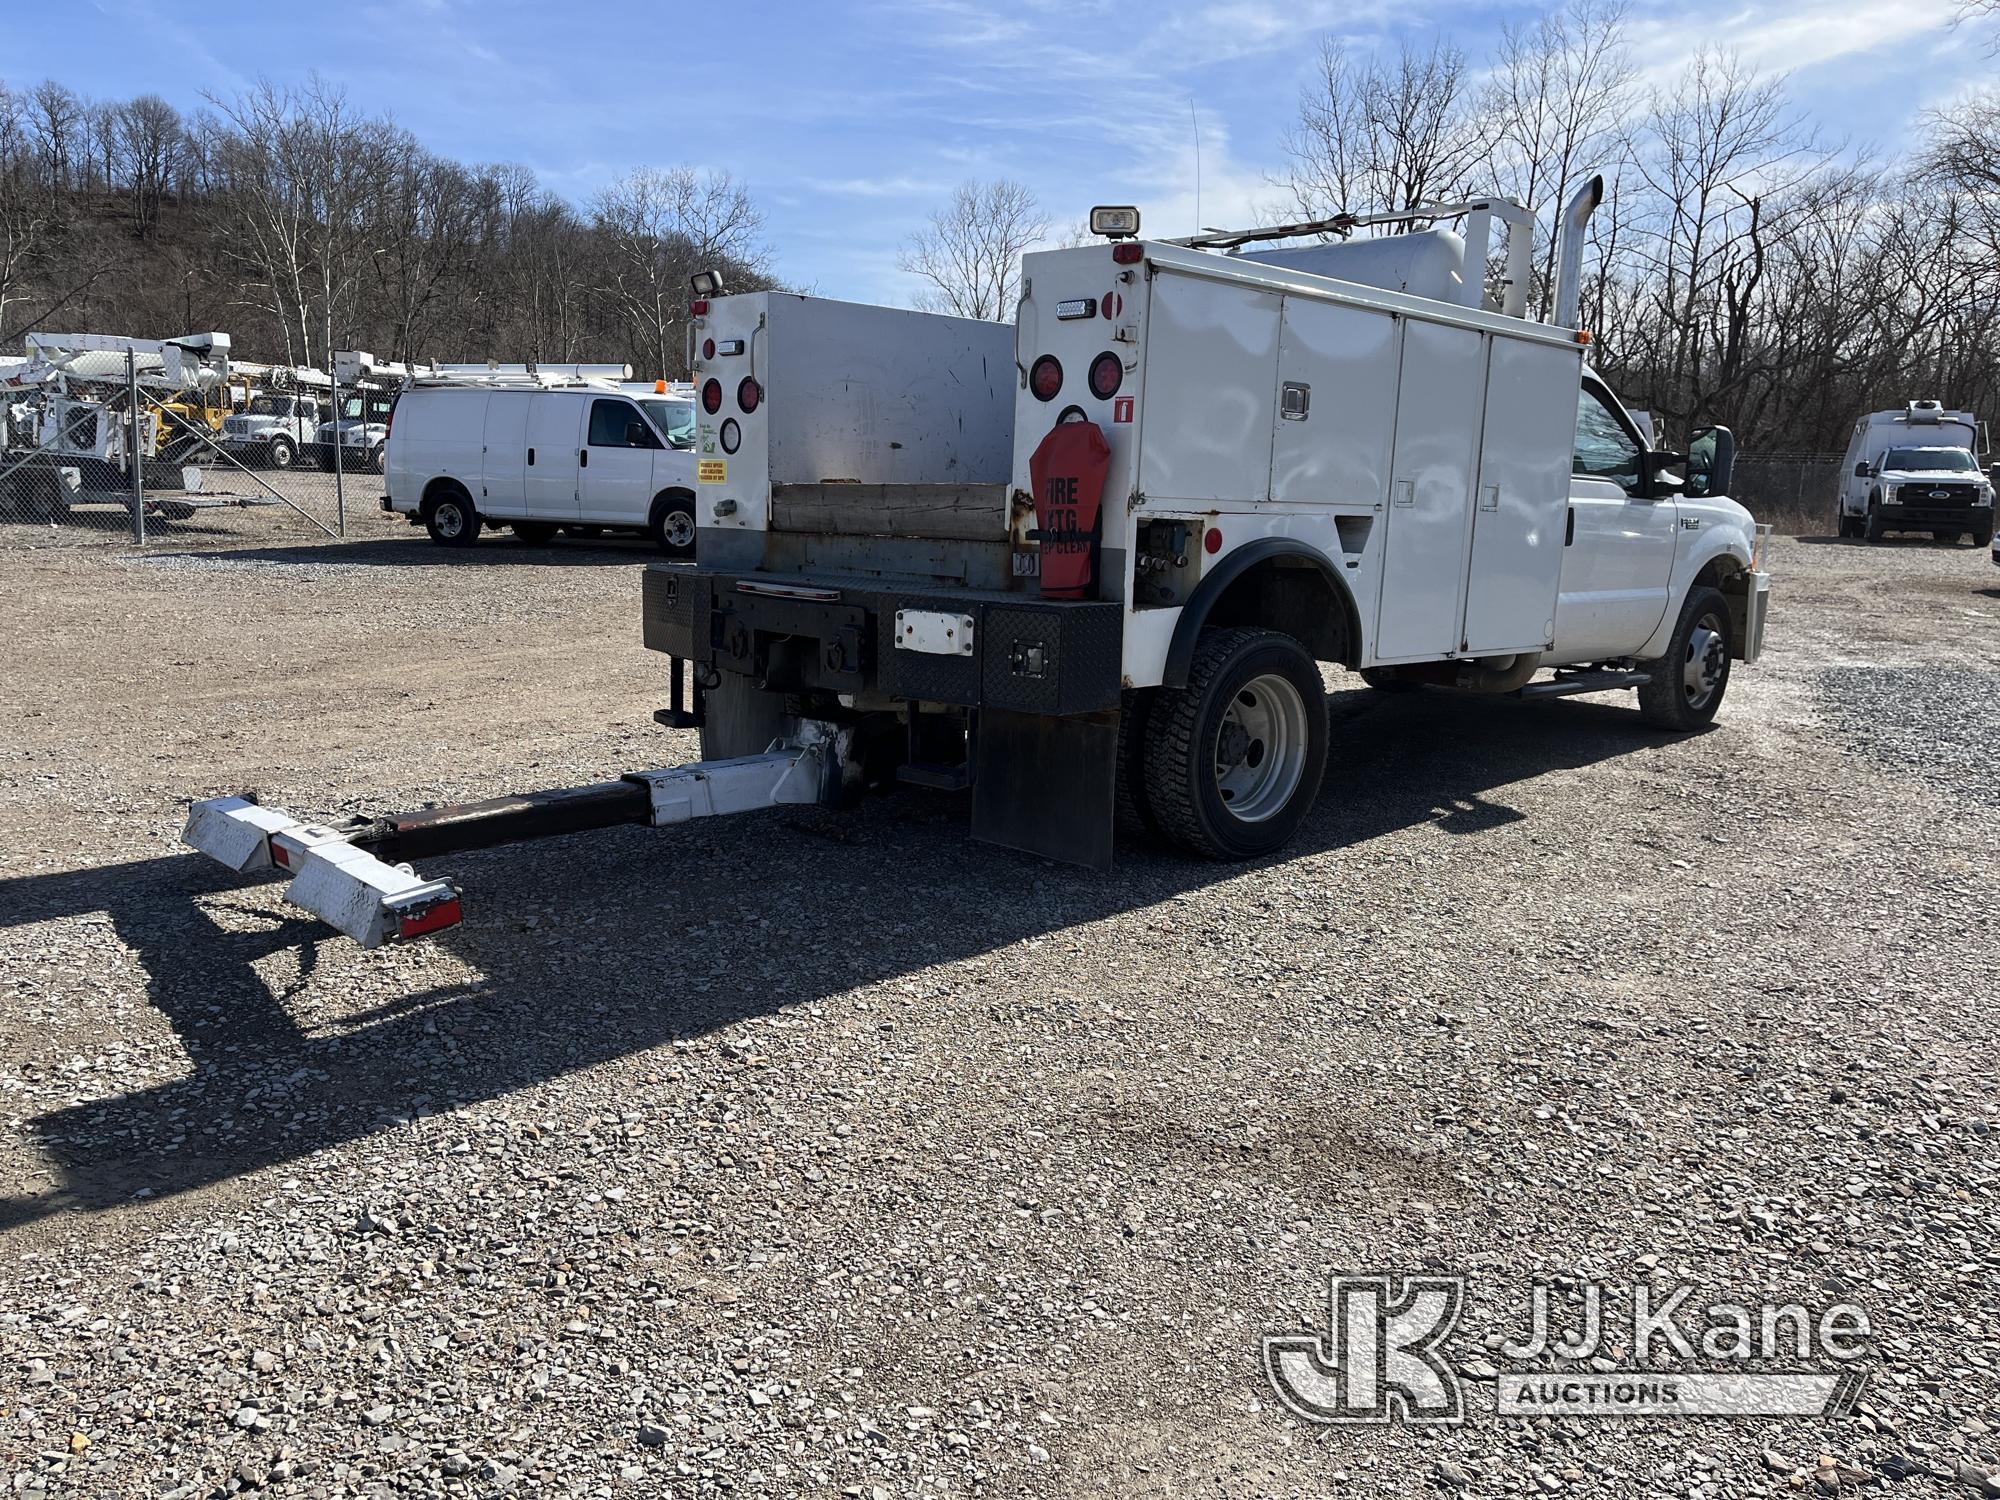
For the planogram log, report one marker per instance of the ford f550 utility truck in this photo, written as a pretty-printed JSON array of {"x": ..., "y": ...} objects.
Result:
[
  {"x": 1916, "y": 470},
  {"x": 1091, "y": 568}
]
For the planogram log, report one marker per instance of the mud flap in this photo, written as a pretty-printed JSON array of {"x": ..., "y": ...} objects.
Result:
[{"x": 1047, "y": 785}]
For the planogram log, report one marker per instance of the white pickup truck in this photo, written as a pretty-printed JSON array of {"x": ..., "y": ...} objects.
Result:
[
  {"x": 1916, "y": 469},
  {"x": 1092, "y": 567}
]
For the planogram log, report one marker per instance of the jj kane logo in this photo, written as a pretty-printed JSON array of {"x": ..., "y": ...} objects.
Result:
[{"x": 1382, "y": 1357}]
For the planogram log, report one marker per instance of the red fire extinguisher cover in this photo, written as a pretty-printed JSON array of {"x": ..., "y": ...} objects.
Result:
[{"x": 1068, "y": 472}]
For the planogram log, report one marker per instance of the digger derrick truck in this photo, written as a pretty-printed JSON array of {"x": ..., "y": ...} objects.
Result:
[{"x": 1090, "y": 568}]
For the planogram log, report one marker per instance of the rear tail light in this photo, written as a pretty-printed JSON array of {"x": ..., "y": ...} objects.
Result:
[
  {"x": 434, "y": 918},
  {"x": 1128, "y": 254},
  {"x": 1107, "y": 373},
  {"x": 708, "y": 348},
  {"x": 1046, "y": 378},
  {"x": 748, "y": 394},
  {"x": 698, "y": 308},
  {"x": 711, "y": 396}
]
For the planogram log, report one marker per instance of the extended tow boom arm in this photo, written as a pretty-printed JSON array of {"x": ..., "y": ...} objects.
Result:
[{"x": 345, "y": 876}]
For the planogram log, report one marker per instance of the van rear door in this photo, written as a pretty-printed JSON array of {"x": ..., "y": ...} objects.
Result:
[
  {"x": 505, "y": 457},
  {"x": 555, "y": 442}
]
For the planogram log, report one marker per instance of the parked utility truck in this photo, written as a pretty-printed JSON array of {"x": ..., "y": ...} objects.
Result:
[
  {"x": 1917, "y": 469},
  {"x": 1090, "y": 568}
]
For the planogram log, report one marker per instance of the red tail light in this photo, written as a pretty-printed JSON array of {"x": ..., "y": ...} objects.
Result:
[
  {"x": 1128, "y": 254},
  {"x": 748, "y": 394},
  {"x": 1046, "y": 378},
  {"x": 698, "y": 308},
  {"x": 1107, "y": 373},
  {"x": 708, "y": 348},
  {"x": 711, "y": 396},
  {"x": 448, "y": 913}
]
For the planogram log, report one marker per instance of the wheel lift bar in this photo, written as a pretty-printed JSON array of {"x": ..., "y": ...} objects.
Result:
[{"x": 346, "y": 876}]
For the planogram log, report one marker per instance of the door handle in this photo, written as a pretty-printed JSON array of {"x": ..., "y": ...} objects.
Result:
[
  {"x": 1569, "y": 532},
  {"x": 531, "y": 458},
  {"x": 583, "y": 458}
]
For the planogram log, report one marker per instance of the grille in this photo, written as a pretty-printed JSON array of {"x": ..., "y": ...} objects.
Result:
[{"x": 1936, "y": 494}]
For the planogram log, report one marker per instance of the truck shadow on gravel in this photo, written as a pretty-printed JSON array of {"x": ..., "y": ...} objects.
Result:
[{"x": 596, "y": 947}]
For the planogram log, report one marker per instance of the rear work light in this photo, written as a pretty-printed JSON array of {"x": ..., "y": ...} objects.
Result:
[
  {"x": 748, "y": 394},
  {"x": 1126, "y": 253},
  {"x": 711, "y": 396},
  {"x": 1107, "y": 373},
  {"x": 1046, "y": 378}
]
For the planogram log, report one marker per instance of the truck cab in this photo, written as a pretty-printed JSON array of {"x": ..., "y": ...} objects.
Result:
[{"x": 273, "y": 429}]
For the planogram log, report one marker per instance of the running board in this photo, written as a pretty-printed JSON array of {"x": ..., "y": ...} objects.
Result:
[
  {"x": 338, "y": 874},
  {"x": 1569, "y": 684}
]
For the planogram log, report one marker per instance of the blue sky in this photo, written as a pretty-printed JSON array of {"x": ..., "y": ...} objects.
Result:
[{"x": 850, "y": 120}]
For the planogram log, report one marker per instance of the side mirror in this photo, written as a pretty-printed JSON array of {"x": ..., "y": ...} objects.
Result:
[
  {"x": 1711, "y": 461},
  {"x": 1862, "y": 471}
]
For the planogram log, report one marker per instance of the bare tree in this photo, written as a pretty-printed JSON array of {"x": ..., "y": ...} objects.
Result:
[
  {"x": 150, "y": 139},
  {"x": 970, "y": 252},
  {"x": 662, "y": 225},
  {"x": 1375, "y": 135}
]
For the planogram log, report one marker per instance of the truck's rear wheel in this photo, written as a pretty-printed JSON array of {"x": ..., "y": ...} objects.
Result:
[
  {"x": 1135, "y": 813},
  {"x": 1235, "y": 759},
  {"x": 450, "y": 519},
  {"x": 1689, "y": 681}
]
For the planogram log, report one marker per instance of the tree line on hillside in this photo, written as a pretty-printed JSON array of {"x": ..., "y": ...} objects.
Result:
[{"x": 299, "y": 226}]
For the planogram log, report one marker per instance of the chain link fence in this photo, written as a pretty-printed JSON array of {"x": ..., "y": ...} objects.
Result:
[
  {"x": 68, "y": 476},
  {"x": 1794, "y": 492}
]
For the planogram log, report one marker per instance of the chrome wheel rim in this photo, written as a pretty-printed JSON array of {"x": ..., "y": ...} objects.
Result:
[
  {"x": 680, "y": 529},
  {"x": 1260, "y": 748},
  {"x": 1707, "y": 660},
  {"x": 450, "y": 520}
]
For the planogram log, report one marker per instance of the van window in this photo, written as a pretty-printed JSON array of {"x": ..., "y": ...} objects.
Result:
[
  {"x": 1605, "y": 449},
  {"x": 610, "y": 424}
]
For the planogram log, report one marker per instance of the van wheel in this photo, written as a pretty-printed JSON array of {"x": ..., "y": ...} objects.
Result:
[
  {"x": 672, "y": 525},
  {"x": 450, "y": 519},
  {"x": 536, "y": 533},
  {"x": 1234, "y": 760},
  {"x": 1688, "y": 682},
  {"x": 282, "y": 453}
]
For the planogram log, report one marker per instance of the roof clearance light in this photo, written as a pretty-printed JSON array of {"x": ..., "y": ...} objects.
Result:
[
  {"x": 698, "y": 308},
  {"x": 1120, "y": 223},
  {"x": 1128, "y": 254}
]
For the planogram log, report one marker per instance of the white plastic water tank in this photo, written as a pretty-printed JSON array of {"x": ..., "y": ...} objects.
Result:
[{"x": 1428, "y": 263}]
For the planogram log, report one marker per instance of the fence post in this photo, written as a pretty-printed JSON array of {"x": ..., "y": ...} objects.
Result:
[
  {"x": 339, "y": 474},
  {"x": 134, "y": 458}
]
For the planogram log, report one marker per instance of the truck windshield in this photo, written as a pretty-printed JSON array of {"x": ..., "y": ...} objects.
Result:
[
  {"x": 271, "y": 406},
  {"x": 675, "y": 419},
  {"x": 1955, "y": 459}
]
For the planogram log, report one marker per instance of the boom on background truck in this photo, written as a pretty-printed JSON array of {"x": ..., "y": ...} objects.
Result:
[{"x": 1090, "y": 568}]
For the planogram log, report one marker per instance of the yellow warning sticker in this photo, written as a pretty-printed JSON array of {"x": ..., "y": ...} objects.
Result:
[{"x": 711, "y": 471}]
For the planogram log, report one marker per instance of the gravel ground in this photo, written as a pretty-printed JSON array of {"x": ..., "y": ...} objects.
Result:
[{"x": 844, "y": 1157}]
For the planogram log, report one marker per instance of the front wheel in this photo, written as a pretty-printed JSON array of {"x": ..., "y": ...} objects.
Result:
[
  {"x": 672, "y": 525},
  {"x": 451, "y": 520},
  {"x": 1234, "y": 760},
  {"x": 282, "y": 453},
  {"x": 1983, "y": 536},
  {"x": 1688, "y": 682}
]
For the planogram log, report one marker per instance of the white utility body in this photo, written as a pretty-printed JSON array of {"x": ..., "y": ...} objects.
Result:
[{"x": 1916, "y": 469}]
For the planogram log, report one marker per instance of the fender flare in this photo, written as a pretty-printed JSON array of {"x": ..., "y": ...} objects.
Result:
[{"x": 1232, "y": 566}]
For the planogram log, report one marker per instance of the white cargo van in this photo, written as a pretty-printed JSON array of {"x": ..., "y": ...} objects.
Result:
[
  {"x": 540, "y": 453},
  {"x": 1916, "y": 469}
]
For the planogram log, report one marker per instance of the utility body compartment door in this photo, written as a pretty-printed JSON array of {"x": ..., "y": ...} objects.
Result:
[
  {"x": 505, "y": 458},
  {"x": 1206, "y": 436},
  {"x": 1522, "y": 504},
  {"x": 555, "y": 437},
  {"x": 1441, "y": 389},
  {"x": 1335, "y": 448}
]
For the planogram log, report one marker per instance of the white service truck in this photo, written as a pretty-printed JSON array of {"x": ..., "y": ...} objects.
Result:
[
  {"x": 1917, "y": 469},
  {"x": 1091, "y": 568},
  {"x": 275, "y": 427}
]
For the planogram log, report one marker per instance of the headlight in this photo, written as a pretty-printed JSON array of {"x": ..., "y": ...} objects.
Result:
[{"x": 1892, "y": 497}]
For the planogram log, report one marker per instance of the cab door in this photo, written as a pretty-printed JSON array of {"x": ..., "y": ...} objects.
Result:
[
  {"x": 617, "y": 480},
  {"x": 1618, "y": 553}
]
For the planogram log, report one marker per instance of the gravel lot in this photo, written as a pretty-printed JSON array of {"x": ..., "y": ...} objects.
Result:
[{"x": 845, "y": 1157}]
